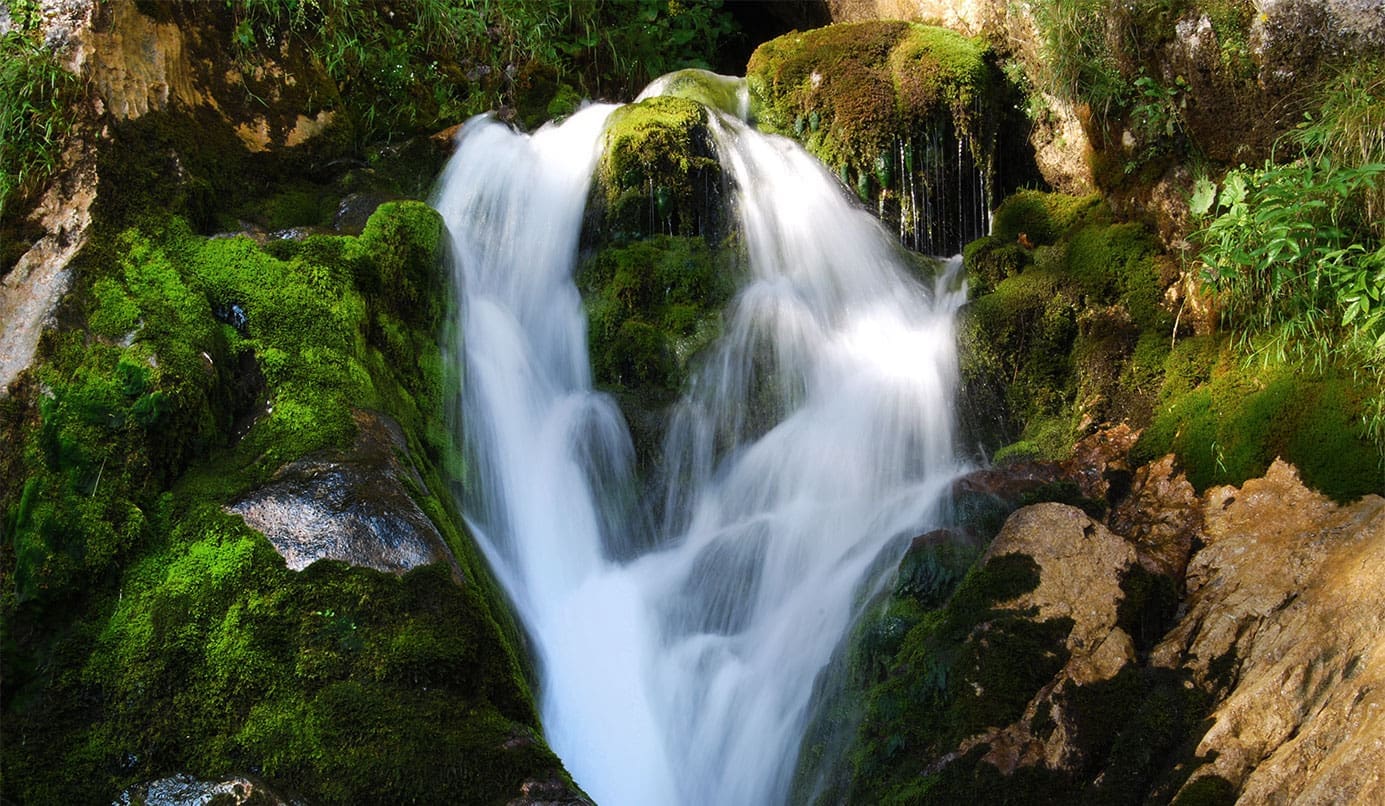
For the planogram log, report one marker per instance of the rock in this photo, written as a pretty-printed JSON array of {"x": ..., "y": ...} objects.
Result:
[
  {"x": 1080, "y": 566},
  {"x": 355, "y": 210},
  {"x": 1161, "y": 516},
  {"x": 1286, "y": 618},
  {"x": 186, "y": 790},
  {"x": 1100, "y": 462},
  {"x": 1081, "y": 569},
  {"x": 31, "y": 290},
  {"x": 352, "y": 506}
]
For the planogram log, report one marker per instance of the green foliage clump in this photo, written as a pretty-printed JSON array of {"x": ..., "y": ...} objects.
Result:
[
  {"x": 1228, "y": 420},
  {"x": 658, "y": 172},
  {"x": 887, "y": 106},
  {"x": 149, "y": 632},
  {"x": 421, "y": 65},
  {"x": 1295, "y": 251},
  {"x": 37, "y": 101},
  {"x": 340, "y": 684}
]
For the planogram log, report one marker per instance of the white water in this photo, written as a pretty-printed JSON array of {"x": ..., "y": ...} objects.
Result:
[{"x": 817, "y": 435}]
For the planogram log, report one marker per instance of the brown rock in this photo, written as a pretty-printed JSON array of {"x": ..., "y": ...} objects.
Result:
[
  {"x": 1161, "y": 516},
  {"x": 1081, "y": 566},
  {"x": 1286, "y": 615},
  {"x": 1100, "y": 459}
]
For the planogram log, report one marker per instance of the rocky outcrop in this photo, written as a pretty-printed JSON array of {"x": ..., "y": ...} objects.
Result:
[
  {"x": 1286, "y": 619},
  {"x": 1262, "y": 686},
  {"x": 188, "y": 790},
  {"x": 351, "y": 505}
]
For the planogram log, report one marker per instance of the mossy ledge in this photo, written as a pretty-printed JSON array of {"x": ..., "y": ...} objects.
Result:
[
  {"x": 892, "y": 107},
  {"x": 148, "y": 631}
]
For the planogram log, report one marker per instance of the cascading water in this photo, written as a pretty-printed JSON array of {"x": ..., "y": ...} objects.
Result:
[{"x": 815, "y": 436}]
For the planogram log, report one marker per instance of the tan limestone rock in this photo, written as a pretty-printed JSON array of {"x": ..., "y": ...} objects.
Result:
[{"x": 1286, "y": 616}]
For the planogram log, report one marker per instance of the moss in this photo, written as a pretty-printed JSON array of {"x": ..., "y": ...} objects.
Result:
[
  {"x": 1208, "y": 790},
  {"x": 150, "y": 632},
  {"x": 1066, "y": 324},
  {"x": 1227, "y": 421},
  {"x": 961, "y": 668},
  {"x": 888, "y": 106},
  {"x": 658, "y": 173}
]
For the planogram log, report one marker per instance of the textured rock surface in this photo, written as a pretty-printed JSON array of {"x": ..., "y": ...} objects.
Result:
[
  {"x": 352, "y": 506},
  {"x": 1286, "y": 613},
  {"x": 186, "y": 790},
  {"x": 1081, "y": 565}
]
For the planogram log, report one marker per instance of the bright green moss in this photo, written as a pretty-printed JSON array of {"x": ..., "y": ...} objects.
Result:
[
  {"x": 151, "y": 632},
  {"x": 1228, "y": 421},
  {"x": 658, "y": 173}
]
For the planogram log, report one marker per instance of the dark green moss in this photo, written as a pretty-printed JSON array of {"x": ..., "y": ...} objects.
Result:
[{"x": 1208, "y": 790}]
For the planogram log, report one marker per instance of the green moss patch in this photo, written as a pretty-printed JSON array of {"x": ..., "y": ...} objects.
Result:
[
  {"x": 1066, "y": 322},
  {"x": 658, "y": 173},
  {"x": 889, "y": 106},
  {"x": 1227, "y": 421}
]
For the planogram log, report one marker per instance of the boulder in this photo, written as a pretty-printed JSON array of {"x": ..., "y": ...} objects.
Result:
[{"x": 353, "y": 505}]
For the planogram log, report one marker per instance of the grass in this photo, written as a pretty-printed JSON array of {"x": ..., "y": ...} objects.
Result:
[{"x": 37, "y": 100}]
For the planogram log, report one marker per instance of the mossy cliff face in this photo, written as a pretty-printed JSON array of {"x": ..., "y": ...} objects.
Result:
[
  {"x": 1064, "y": 327},
  {"x": 150, "y": 631},
  {"x": 893, "y": 108}
]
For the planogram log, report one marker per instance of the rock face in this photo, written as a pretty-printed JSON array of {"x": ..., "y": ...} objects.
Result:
[
  {"x": 187, "y": 790},
  {"x": 1286, "y": 614},
  {"x": 1263, "y": 687},
  {"x": 352, "y": 506}
]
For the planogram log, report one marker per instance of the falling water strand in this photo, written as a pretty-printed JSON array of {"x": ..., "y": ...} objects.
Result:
[{"x": 813, "y": 441}]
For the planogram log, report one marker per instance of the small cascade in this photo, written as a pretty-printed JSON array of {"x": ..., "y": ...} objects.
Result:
[{"x": 813, "y": 442}]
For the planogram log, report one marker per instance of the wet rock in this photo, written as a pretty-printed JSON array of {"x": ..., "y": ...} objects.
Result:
[
  {"x": 353, "y": 505},
  {"x": 186, "y": 790},
  {"x": 1286, "y": 618},
  {"x": 356, "y": 209}
]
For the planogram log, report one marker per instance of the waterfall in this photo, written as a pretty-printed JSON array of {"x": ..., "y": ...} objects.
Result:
[{"x": 813, "y": 441}]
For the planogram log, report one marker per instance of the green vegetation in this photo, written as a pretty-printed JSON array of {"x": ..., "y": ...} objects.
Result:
[
  {"x": 887, "y": 106},
  {"x": 653, "y": 306},
  {"x": 148, "y": 631},
  {"x": 37, "y": 100},
  {"x": 958, "y": 669},
  {"x": 1296, "y": 252},
  {"x": 1053, "y": 335},
  {"x": 658, "y": 173},
  {"x": 425, "y": 64}
]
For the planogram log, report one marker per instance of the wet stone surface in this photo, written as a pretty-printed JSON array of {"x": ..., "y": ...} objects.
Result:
[{"x": 351, "y": 505}]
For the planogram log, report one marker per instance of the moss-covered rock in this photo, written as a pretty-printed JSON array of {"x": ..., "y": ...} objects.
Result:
[
  {"x": 658, "y": 174},
  {"x": 653, "y": 306},
  {"x": 1228, "y": 419},
  {"x": 149, "y": 632},
  {"x": 891, "y": 107},
  {"x": 1054, "y": 339}
]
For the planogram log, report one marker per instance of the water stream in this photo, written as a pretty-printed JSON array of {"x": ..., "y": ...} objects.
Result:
[{"x": 814, "y": 440}]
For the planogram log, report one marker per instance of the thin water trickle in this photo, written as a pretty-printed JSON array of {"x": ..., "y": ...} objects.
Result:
[{"x": 814, "y": 438}]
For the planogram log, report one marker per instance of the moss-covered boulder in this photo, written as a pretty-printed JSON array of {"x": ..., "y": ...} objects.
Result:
[
  {"x": 658, "y": 174},
  {"x": 653, "y": 307},
  {"x": 149, "y": 631},
  {"x": 1066, "y": 328},
  {"x": 906, "y": 114}
]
